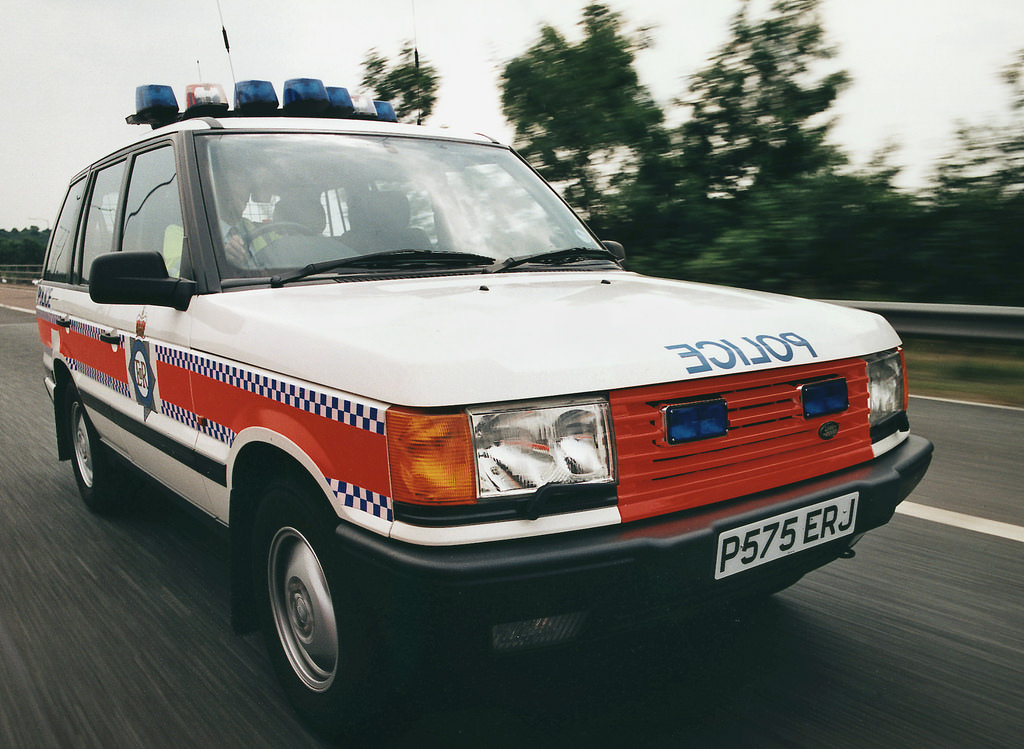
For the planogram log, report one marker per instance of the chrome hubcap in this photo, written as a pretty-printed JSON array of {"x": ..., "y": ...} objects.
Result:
[
  {"x": 303, "y": 610},
  {"x": 80, "y": 437}
]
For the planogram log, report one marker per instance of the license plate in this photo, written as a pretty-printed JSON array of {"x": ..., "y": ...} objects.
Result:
[{"x": 758, "y": 543}]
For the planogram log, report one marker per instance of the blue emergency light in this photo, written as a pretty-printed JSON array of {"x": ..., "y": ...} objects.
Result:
[
  {"x": 305, "y": 96},
  {"x": 824, "y": 397},
  {"x": 699, "y": 420},
  {"x": 154, "y": 105},
  {"x": 340, "y": 102},
  {"x": 385, "y": 111},
  {"x": 255, "y": 98}
]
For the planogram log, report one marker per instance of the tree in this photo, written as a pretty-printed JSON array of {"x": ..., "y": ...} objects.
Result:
[
  {"x": 410, "y": 83},
  {"x": 23, "y": 246},
  {"x": 757, "y": 108},
  {"x": 989, "y": 157},
  {"x": 579, "y": 112},
  {"x": 972, "y": 237}
]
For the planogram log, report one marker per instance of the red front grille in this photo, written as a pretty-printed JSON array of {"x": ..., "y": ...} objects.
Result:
[{"x": 769, "y": 443}]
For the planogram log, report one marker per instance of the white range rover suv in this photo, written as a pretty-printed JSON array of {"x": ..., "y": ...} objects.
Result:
[{"x": 431, "y": 410}]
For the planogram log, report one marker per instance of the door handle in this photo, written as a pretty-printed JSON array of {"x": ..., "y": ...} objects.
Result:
[
  {"x": 64, "y": 321},
  {"x": 111, "y": 337}
]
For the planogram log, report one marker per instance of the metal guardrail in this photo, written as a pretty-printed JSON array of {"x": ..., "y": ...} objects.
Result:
[
  {"x": 23, "y": 274},
  {"x": 970, "y": 321}
]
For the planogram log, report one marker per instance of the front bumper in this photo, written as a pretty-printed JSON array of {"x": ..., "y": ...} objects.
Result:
[{"x": 430, "y": 599}]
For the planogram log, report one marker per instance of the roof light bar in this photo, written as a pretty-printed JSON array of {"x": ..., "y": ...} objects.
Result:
[{"x": 302, "y": 97}]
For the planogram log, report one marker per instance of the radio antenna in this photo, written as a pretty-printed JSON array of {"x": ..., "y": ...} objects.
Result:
[
  {"x": 227, "y": 45},
  {"x": 416, "y": 61}
]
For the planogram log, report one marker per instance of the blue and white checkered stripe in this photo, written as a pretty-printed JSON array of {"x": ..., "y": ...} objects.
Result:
[
  {"x": 217, "y": 431},
  {"x": 362, "y": 499},
  {"x": 179, "y": 414},
  {"x": 88, "y": 330},
  {"x": 359, "y": 415},
  {"x": 121, "y": 388},
  {"x": 47, "y": 315}
]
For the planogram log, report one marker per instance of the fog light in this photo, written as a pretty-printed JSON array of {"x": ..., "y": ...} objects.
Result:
[{"x": 532, "y": 633}]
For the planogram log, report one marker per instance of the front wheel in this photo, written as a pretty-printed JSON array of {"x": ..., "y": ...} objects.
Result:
[
  {"x": 319, "y": 640},
  {"x": 302, "y": 608}
]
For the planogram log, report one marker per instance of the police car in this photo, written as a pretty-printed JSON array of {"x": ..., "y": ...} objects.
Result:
[{"x": 434, "y": 413}]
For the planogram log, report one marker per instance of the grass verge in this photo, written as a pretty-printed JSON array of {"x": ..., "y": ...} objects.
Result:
[{"x": 962, "y": 370}]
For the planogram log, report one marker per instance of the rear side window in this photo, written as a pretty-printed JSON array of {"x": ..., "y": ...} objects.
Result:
[
  {"x": 152, "y": 213},
  {"x": 62, "y": 244},
  {"x": 101, "y": 216}
]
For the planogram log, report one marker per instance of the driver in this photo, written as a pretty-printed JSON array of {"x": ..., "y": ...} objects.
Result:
[{"x": 243, "y": 239}]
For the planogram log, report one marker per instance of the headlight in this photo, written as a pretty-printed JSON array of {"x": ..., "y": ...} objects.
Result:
[
  {"x": 886, "y": 391},
  {"x": 522, "y": 449}
]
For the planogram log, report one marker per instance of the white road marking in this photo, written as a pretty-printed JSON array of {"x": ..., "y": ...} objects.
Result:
[
  {"x": 18, "y": 309},
  {"x": 965, "y": 403},
  {"x": 959, "y": 520}
]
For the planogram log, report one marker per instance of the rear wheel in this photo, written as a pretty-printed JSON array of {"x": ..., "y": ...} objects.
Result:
[
  {"x": 318, "y": 640},
  {"x": 91, "y": 461}
]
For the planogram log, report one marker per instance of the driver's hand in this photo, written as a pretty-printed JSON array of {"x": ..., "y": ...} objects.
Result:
[{"x": 236, "y": 251}]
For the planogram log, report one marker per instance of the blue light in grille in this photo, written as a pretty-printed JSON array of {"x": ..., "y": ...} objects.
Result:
[
  {"x": 687, "y": 422},
  {"x": 825, "y": 397}
]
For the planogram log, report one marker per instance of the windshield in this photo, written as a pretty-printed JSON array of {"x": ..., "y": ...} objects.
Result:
[{"x": 284, "y": 201}]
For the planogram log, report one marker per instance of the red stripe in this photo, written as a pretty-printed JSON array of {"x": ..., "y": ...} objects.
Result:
[
  {"x": 341, "y": 451},
  {"x": 102, "y": 357}
]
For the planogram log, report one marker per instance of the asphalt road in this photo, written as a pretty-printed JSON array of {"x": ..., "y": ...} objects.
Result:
[{"x": 115, "y": 633}]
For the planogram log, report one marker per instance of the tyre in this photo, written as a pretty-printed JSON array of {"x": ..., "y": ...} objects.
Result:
[
  {"x": 93, "y": 465},
  {"x": 318, "y": 639}
]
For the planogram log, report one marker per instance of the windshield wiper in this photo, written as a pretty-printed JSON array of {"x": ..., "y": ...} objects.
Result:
[
  {"x": 387, "y": 259},
  {"x": 571, "y": 254}
]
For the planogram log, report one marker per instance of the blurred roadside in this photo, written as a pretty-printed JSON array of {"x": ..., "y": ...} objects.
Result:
[
  {"x": 961, "y": 370},
  {"x": 18, "y": 296}
]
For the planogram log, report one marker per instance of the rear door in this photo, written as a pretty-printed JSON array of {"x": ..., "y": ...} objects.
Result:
[{"x": 129, "y": 361}]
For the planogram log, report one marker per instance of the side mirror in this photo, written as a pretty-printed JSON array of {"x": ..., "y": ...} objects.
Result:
[
  {"x": 615, "y": 248},
  {"x": 137, "y": 278}
]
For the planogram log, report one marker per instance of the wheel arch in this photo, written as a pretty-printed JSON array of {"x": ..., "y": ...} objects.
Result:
[{"x": 61, "y": 378}]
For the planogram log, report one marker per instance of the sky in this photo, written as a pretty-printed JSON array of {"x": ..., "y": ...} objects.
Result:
[{"x": 69, "y": 68}]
